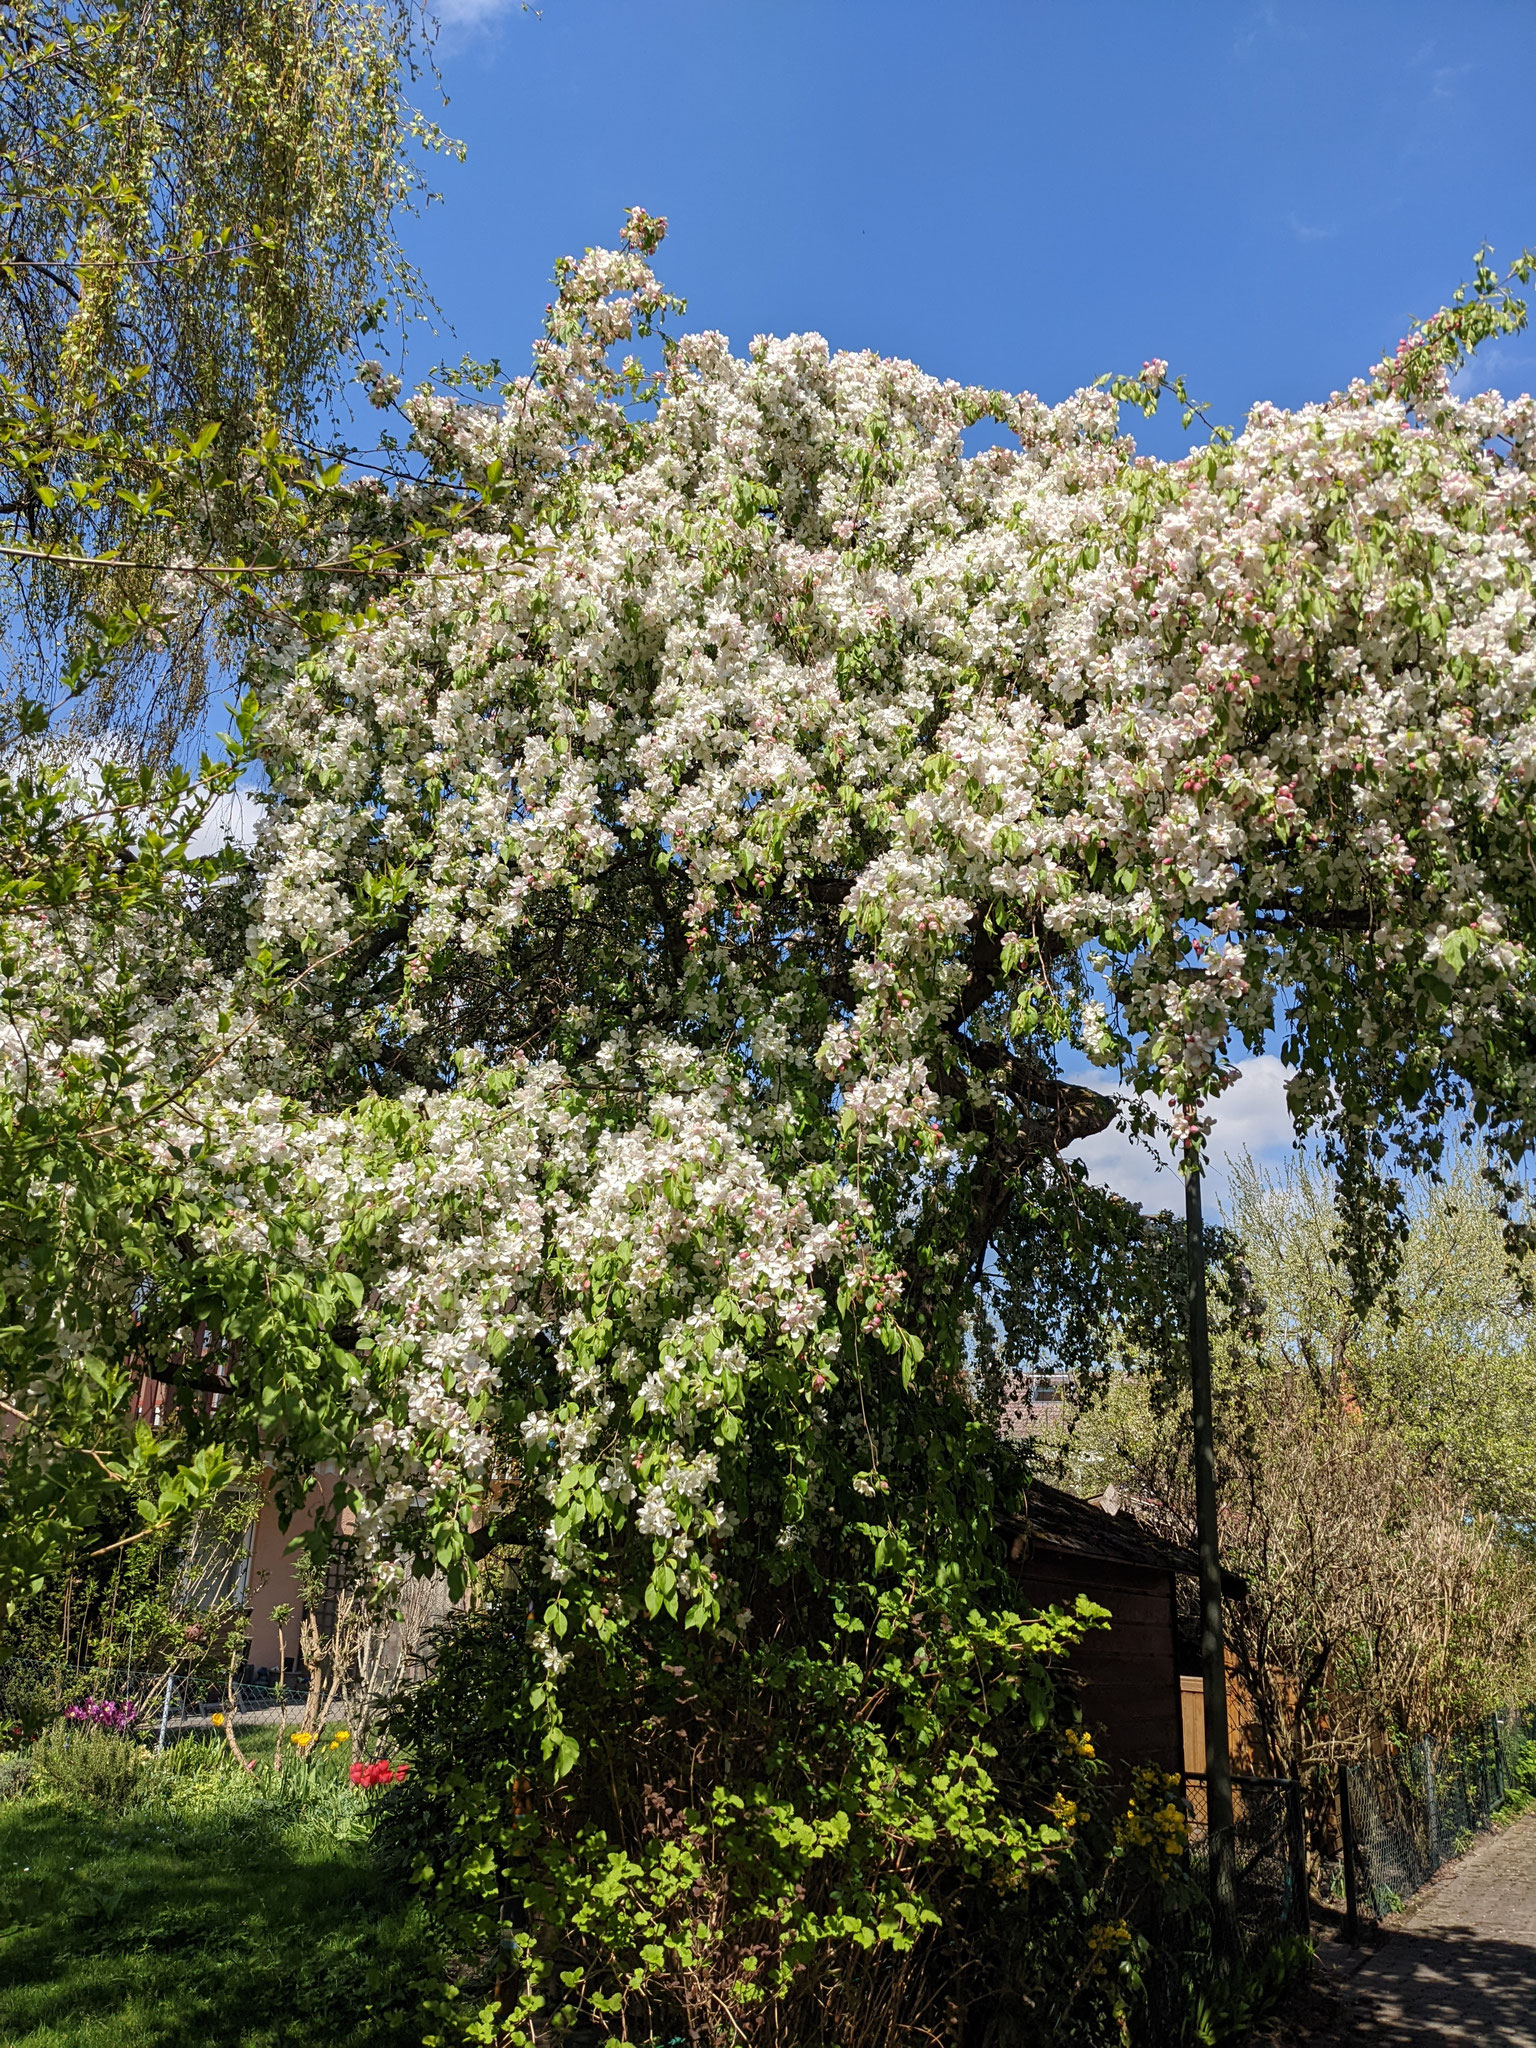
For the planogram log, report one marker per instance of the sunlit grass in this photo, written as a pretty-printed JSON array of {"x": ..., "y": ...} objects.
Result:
[{"x": 210, "y": 1916}]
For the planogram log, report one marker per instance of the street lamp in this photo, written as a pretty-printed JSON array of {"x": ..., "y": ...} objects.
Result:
[{"x": 1213, "y": 1661}]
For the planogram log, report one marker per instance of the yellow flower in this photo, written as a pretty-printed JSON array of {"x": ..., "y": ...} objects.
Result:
[
  {"x": 1105, "y": 1937},
  {"x": 218, "y": 1720},
  {"x": 1175, "y": 1829},
  {"x": 341, "y": 1735},
  {"x": 301, "y": 1739}
]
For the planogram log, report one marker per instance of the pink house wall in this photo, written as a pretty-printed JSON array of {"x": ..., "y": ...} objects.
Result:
[{"x": 273, "y": 1580}]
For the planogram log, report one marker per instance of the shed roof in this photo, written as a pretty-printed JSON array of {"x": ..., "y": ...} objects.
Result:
[{"x": 1058, "y": 1524}]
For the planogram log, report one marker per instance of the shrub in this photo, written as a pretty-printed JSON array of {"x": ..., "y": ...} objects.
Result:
[
  {"x": 891, "y": 1836},
  {"x": 15, "y": 1771},
  {"x": 29, "y": 1699},
  {"x": 1522, "y": 1772},
  {"x": 83, "y": 1764}
]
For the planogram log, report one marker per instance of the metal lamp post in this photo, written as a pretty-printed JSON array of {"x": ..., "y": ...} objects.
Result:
[{"x": 1213, "y": 1664}]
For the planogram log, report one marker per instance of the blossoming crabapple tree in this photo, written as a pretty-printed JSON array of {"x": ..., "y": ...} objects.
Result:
[
  {"x": 807, "y": 764},
  {"x": 729, "y": 854},
  {"x": 699, "y": 885}
]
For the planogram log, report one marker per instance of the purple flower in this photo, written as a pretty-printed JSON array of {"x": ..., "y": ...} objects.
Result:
[{"x": 113, "y": 1717}]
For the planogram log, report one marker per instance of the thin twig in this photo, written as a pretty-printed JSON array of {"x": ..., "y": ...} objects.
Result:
[
  {"x": 188, "y": 568},
  {"x": 122, "y": 1543}
]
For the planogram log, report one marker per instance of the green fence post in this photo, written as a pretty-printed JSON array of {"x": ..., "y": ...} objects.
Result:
[{"x": 1431, "y": 1815}]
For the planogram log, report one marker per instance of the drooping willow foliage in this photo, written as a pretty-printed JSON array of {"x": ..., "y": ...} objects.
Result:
[{"x": 196, "y": 225}]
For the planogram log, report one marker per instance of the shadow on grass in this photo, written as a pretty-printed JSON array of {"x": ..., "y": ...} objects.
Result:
[{"x": 164, "y": 1928}]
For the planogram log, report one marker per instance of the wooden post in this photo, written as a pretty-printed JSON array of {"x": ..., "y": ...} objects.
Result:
[
  {"x": 1213, "y": 1656},
  {"x": 1347, "y": 1838}
]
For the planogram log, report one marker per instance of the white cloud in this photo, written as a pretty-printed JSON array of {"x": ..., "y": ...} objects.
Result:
[
  {"x": 1495, "y": 367},
  {"x": 1250, "y": 1117},
  {"x": 1444, "y": 81},
  {"x": 231, "y": 822},
  {"x": 472, "y": 13}
]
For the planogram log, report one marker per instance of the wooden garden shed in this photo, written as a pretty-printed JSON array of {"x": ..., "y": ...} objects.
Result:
[{"x": 1139, "y": 1677}]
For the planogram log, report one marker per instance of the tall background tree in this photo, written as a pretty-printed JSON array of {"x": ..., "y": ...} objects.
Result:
[
  {"x": 1375, "y": 1462},
  {"x": 197, "y": 224}
]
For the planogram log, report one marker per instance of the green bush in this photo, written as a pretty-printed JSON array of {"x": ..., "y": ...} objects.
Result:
[
  {"x": 1521, "y": 1774},
  {"x": 15, "y": 1771},
  {"x": 898, "y": 1834},
  {"x": 85, "y": 1766},
  {"x": 1225, "y": 2005},
  {"x": 29, "y": 1699}
]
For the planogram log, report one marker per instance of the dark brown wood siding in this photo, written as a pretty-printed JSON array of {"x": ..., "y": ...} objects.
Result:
[{"x": 1128, "y": 1672}]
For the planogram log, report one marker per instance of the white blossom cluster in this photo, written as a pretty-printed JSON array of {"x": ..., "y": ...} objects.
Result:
[
  {"x": 102, "y": 1036},
  {"x": 569, "y": 1289},
  {"x": 1199, "y": 720}
]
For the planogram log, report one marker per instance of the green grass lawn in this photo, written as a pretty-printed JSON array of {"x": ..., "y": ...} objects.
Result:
[{"x": 208, "y": 1916}]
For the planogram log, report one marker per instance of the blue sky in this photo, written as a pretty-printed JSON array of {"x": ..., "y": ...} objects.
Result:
[{"x": 1007, "y": 193}]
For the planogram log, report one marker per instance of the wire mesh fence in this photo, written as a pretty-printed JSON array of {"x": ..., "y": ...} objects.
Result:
[
  {"x": 184, "y": 1706},
  {"x": 1411, "y": 1810},
  {"x": 164, "y": 1705},
  {"x": 1200, "y": 1953},
  {"x": 361, "y": 1646},
  {"x": 1269, "y": 1857}
]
